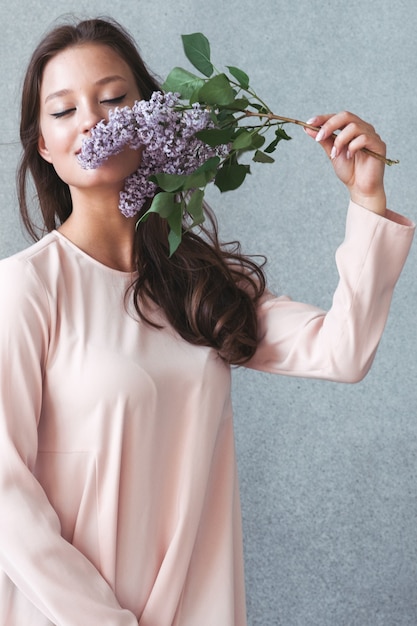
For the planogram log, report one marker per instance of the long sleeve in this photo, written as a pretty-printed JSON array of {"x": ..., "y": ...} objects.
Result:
[
  {"x": 297, "y": 339},
  {"x": 56, "y": 580}
]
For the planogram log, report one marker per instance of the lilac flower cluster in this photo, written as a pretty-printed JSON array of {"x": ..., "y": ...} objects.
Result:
[{"x": 166, "y": 134}]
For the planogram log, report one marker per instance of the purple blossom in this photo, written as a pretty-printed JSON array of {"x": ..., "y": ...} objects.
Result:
[{"x": 166, "y": 134}]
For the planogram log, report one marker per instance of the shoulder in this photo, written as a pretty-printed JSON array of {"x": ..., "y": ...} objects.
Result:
[
  {"x": 24, "y": 276},
  {"x": 35, "y": 250},
  {"x": 29, "y": 262}
]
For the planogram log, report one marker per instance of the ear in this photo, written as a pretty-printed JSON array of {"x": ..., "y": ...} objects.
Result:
[{"x": 43, "y": 150}]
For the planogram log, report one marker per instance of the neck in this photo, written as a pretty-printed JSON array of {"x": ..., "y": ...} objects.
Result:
[{"x": 102, "y": 232}]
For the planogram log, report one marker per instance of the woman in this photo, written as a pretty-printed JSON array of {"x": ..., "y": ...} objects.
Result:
[{"x": 118, "y": 486}]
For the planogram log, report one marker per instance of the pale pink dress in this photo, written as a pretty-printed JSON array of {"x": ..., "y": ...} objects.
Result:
[{"x": 119, "y": 496}]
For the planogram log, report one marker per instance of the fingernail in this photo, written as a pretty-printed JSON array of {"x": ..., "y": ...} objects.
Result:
[
  {"x": 320, "y": 135},
  {"x": 311, "y": 120},
  {"x": 333, "y": 153},
  {"x": 348, "y": 155}
]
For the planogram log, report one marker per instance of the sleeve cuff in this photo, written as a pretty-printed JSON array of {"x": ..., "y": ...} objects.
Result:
[{"x": 391, "y": 216}]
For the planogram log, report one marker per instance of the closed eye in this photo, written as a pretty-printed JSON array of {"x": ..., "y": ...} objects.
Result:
[
  {"x": 114, "y": 100},
  {"x": 62, "y": 113},
  {"x": 109, "y": 101}
]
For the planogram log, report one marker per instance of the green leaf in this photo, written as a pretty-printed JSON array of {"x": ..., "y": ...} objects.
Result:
[
  {"x": 280, "y": 132},
  {"x": 199, "y": 179},
  {"x": 257, "y": 140},
  {"x": 224, "y": 118},
  {"x": 202, "y": 175},
  {"x": 195, "y": 207},
  {"x": 271, "y": 147},
  {"x": 166, "y": 207},
  {"x": 168, "y": 182},
  {"x": 183, "y": 82},
  {"x": 217, "y": 90},
  {"x": 243, "y": 140},
  {"x": 261, "y": 157},
  {"x": 209, "y": 165},
  {"x": 197, "y": 50},
  {"x": 247, "y": 140},
  {"x": 240, "y": 104},
  {"x": 175, "y": 224},
  {"x": 194, "y": 97},
  {"x": 215, "y": 136},
  {"x": 259, "y": 107},
  {"x": 241, "y": 77},
  {"x": 163, "y": 204},
  {"x": 279, "y": 135},
  {"x": 230, "y": 177}
]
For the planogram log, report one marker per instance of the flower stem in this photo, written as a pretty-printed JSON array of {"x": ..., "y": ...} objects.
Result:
[{"x": 289, "y": 120}]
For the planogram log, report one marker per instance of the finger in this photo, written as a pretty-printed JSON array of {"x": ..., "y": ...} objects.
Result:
[
  {"x": 318, "y": 122},
  {"x": 346, "y": 125},
  {"x": 354, "y": 134},
  {"x": 315, "y": 123},
  {"x": 326, "y": 135},
  {"x": 330, "y": 124},
  {"x": 353, "y": 140}
]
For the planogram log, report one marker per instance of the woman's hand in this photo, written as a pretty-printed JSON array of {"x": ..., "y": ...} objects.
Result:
[{"x": 361, "y": 173}]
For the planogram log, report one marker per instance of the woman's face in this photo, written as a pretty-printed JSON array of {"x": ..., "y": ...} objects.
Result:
[{"x": 80, "y": 85}]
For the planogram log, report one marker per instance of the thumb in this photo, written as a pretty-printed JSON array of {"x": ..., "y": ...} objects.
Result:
[{"x": 317, "y": 133}]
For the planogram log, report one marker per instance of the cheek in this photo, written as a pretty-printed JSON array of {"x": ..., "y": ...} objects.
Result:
[
  {"x": 126, "y": 162},
  {"x": 50, "y": 143},
  {"x": 135, "y": 157}
]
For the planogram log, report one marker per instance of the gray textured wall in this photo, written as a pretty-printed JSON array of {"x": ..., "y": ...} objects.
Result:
[{"x": 328, "y": 472}]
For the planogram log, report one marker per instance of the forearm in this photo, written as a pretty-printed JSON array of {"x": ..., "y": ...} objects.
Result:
[
  {"x": 298, "y": 339},
  {"x": 377, "y": 202},
  {"x": 52, "y": 574}
]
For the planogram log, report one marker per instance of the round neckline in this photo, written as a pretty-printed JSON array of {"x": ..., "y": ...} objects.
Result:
[{"x": 91, "y": 259}]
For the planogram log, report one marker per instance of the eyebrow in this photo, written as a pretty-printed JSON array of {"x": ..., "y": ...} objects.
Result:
[{"x": 102, "y": 81}]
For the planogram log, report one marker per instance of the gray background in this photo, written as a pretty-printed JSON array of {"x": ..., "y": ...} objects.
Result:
[{"x": 328, "y": 471}]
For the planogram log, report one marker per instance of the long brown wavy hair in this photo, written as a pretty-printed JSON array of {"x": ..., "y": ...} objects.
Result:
[{"x": 207, "y": 290}]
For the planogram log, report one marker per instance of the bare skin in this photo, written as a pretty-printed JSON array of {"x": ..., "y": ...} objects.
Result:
[
  {"x": 81, "y": 84},
  {"x": 79, "y": 87},
  {"x": 361, "y": 173}
]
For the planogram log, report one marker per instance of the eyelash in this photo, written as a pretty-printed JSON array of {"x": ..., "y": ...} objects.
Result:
[{"x": 110, "y": 101}]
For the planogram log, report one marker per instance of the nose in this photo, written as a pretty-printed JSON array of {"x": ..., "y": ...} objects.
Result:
[{"x": 90, "y": 115}]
